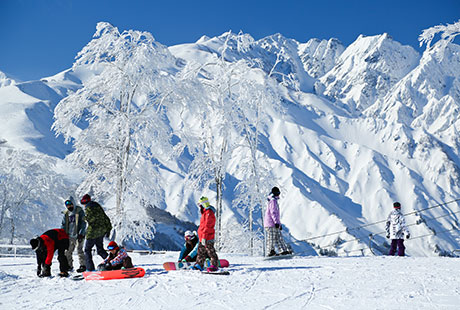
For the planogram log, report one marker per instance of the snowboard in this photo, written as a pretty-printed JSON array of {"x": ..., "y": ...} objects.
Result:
[
  {"x": 222, "y": 273},
  {"x": 111, "y": 274},
  {"x": 223, "y": 263},
  {"x": 276, "y": 257}
]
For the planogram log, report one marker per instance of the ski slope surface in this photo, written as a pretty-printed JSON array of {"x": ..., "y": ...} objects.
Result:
[{"x": 303, "y": 282}]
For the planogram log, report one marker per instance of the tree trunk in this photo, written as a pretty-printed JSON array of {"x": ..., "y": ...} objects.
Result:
[{"x": 219, "y": 213}]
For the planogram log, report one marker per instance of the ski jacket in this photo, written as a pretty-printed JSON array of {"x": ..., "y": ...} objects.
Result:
[
  {"x": 74, "y": 223},
  {"x": 207, "y": 222},
  {"x": 272, "y": 214},
  {"x": 189, "y": 250},
  {"x": 396, "y": 225},
  {"x": 54, "y": 239},
  {"x": 98, "y": 222},
  {"x": 117, "y": 258}
]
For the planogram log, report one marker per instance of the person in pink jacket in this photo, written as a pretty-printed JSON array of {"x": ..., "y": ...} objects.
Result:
[{"x": 273, "y": 226}]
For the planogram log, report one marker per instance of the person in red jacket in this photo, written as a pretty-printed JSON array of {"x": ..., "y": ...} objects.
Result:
[
  {"x": 206, "y": 235},
  {"x": 45, "y": 246}
]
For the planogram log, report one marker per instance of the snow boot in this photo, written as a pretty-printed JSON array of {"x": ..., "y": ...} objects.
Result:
[
  {"x": 196, "y": 267},
  {"x": 272, "y": 253},
  {"x": 81, "y": 269},
  {"x": 212, "y": 268},
  {"x": 286, "y": 253},
  {"x": 46, "y": 271},
  {"x": 63, "y": 274}
]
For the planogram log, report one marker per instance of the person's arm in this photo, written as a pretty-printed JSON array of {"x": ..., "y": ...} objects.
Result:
[{"x": 122, "y": 254}]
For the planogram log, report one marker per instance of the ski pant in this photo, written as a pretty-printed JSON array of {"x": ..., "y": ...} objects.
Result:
[
  {"x": 397, "y": 243},
  {"x": 274, "y": 238},
  {"x": 207, "y": 251},
  {"x": 62, "y": 246},
  {"x": 74, "y": 243},
  {"x": 99, "y": 242}
]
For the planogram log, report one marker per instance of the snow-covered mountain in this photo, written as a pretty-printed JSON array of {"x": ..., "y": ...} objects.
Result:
[
  {"x": 320, "y": 56},
  {"x": 5, "y": 80},
  {"x": 366, "y": 71},
  {"x": 379, "y": 127}
]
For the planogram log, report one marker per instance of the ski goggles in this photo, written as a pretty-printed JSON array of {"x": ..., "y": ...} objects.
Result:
[
  {"x": 189, "y": 237},
  {"x": 68, "y": 203},
  {"x": 111, "y": 247}
]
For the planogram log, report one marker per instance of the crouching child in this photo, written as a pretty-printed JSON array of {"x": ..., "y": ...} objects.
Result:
[{"x": 117, "y": 259}]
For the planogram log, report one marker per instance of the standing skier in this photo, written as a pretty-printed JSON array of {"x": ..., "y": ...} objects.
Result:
[
  {"x": 98, "y": 226},
  {"x": 74, "y": 225},
  {"x": 45, "y": 246},
  {"x": 206, "y": 234},
  {"x": 190, "y": 249},
  {"x": 273, "y": 226},
  {"x": 396, "y": 229}
]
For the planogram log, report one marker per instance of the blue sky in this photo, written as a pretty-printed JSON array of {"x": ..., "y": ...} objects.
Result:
[{"x": 39, "y": 38}]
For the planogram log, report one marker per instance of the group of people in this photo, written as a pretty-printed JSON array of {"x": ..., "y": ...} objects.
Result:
[
  {"x": 81, "y": 230},
  {"x": 84, "y": 229}
]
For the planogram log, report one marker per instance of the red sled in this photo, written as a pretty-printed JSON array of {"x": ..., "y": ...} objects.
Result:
[
  {"x": 223, "y": 263},
  {"x": 114, "y": 274}
]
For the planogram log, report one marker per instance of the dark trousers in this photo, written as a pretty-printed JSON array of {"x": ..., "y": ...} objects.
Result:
[
  {"x": 99, "y": 242},
  {"x": 61, "y": 248},
  {"x": 397, "y": 243}
]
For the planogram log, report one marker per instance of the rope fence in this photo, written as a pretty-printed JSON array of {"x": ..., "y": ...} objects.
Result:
[{"x": 339, "y": 242}]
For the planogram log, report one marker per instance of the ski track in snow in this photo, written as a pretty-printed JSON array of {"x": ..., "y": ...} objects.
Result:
[{"x": 297, "y": 283}]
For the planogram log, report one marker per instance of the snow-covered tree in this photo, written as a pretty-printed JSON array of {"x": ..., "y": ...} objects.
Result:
[
  {"x": 124, "y": 104},
  {"x": 27, "y": 179},
  {"x": 238, "y": 97}
]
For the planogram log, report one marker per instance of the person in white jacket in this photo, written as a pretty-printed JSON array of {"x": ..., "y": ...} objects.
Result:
[{"x": 396, "y": 229}]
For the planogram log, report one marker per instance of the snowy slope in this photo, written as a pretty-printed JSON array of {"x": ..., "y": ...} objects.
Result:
[
  {"x": 336, "y": 170},
  {"x": 300, "y": 283}
]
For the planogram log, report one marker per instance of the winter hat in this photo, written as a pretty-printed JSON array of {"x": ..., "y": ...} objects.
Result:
[
  {"x": 189, "y": 235},
  {"x": 203, "y": 202},
  {"x": 85, "y": 199},
  {"x": 112, "y": 245},
  {"x": 276, "y": 191},
  {"x": 35, "y": 243},
  {"x": 397, "y": 205}
]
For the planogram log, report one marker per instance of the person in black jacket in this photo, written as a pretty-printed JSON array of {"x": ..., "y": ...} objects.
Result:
[{"x": 45, "y": 246}]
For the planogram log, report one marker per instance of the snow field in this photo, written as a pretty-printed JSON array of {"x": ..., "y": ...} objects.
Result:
[{"x": 297, "y": 283}]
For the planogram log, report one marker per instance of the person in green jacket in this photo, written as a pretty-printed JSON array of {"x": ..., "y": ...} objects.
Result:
[
  {"x": 98, "y": 226},
  {"x": 74, "y": 225}
]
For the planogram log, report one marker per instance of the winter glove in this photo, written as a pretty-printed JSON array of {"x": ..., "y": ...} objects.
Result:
[
  {"x": 203, "y": 242},
  {"x": 408, "y": 236},
  {"x": 187, "y": 258},
  {"x": 80, "y": 238},
  {"x": 278, "y": 226},
  {"x": 388, "y": 236},
  {"x": 39, "y": 270},
  {"x": 108, "y": 266}
]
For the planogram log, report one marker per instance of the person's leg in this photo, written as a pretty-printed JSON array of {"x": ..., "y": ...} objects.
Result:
[
  {"x": 279, "y": 241},
  {"x": 201, "y": 256},
  {"x": 128, "y": 263},
  {"x": 69, "y": 251},
  {"x": 270, "y": 245},
  {"x": 100, "y": 247},
  {"x": 393, "y": 247},
  {"x": 211, "y": 251},
  {"x": 401, "y": 247},
  {"x": 88, "y": 255},
  {"x": 81, "y": 254}
]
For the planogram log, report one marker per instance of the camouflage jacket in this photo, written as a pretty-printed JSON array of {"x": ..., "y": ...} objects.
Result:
[{"x": 98, "y": 222}]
